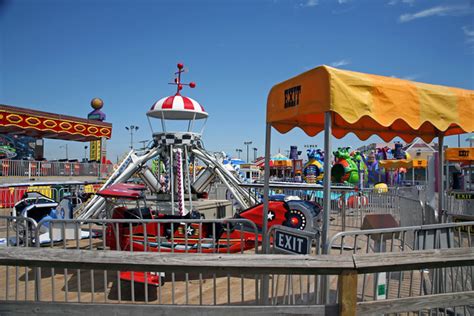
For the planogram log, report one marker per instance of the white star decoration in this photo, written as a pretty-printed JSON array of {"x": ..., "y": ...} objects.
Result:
[
  {"x": 270, "y": 215},
  {"x": 189, "y": 231}
]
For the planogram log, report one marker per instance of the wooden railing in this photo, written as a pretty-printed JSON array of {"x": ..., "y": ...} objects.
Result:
[{"x": 346, "y": 267}]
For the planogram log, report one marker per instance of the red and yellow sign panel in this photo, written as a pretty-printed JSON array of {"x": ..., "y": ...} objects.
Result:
[{"x": 50, "y": 125}]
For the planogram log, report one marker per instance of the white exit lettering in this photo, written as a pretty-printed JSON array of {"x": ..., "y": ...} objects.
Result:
[{"x": 290, "y": 242}]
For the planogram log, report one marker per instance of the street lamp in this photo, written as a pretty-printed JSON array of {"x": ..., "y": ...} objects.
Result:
[
  {"x": 131, "y": 128},
  {"x": 85, "y": 153},
  {"x": 65, "y": 146},
  {"x": 247, "y": 144},
  {"x": 238, "y": 150},
  {"x": 255, "y": 154}
]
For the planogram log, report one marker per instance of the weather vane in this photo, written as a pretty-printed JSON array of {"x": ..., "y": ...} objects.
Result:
[{"x": 177, "y": 80}]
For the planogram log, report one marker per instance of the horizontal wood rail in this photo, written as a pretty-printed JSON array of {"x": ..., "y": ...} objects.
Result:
[
  {"x": 174, "y": 262},
  {"x": 275, "y": 264},
  {"x": 75, "y": 309},
  {"x": 347, "y": 267}
]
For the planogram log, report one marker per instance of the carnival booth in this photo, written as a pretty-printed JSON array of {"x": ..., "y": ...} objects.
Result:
[
  {"x": 281, "y": 167},
  {"x": 339, "y": 101}
]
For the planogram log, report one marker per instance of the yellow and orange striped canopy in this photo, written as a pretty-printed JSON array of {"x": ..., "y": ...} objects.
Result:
[{"x": 368, "y": 104}]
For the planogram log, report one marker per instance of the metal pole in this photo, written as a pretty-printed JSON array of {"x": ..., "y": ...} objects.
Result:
[
  {"x": 440, "y": 177},
  {"x": 266, "y": 189},
  {"x": 266, "y": 184},
  {"x": 194, "y": 168},
  {"x": 188, "y": 178},
  {"x": 447, "y": 176},
  {"x": 327, "y": 180},
  {"x": 171, "y": 179},
  {"x": 247, "y": 153},
  {"x": 326, "y": 199}
]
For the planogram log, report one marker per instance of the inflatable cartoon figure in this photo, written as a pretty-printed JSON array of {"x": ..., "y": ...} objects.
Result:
[
  {"x": 345, "y": 169},
  {"x": 359, "y": 159},
  {"x": 313, "y": 169},
  {"x": 373, "y": 170}
]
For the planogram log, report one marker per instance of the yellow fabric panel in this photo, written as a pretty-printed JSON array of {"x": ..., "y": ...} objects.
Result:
[
  {"x": 351, "y": 94},
  {"x": 395, "y": 163},
  {"x": 459, "y": 154},
  {"x": 438, "y": 105},
  {"x": 420, "y": 163},
  {"x": 392, "y": 95},
  {"x": 89, "y": 188},
  {"x": 465, "y": 101},
  {"x": 43, "y": 189},
  {"x": 367, "y": 104}
]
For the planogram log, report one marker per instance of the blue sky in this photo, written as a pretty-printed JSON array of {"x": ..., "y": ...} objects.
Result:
[{"x": 57, "y": 55}]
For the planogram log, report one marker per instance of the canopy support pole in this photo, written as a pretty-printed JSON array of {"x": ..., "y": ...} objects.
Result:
[
  {"x": 326, "y": 200},
  {"x": 266, "y": 189},
  {"x": 266, "y": 185},
  {"x": 327, "y": 181},
  {"x": 440, "y": 177}
]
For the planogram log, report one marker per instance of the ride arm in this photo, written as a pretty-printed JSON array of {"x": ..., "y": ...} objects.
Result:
[
  {"x": 127, "y": 168},
  {"x": 229, "y": 180}
]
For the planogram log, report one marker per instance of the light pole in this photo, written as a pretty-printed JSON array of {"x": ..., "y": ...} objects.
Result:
[
  {"x": 247, "y": 144},
  {"x": 131, "y": 128},
  {"x": 65, "y": 146},
  {"x": 238, "y": 150},
  {"x": 85, "y": 153},
  {"x": 255, "y": 154}
]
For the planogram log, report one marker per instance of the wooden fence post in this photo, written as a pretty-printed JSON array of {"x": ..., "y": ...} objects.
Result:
[{"x": 347, "y": 285}]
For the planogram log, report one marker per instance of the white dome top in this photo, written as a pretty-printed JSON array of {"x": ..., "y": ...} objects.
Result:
[{"x": 177, "y": 107}]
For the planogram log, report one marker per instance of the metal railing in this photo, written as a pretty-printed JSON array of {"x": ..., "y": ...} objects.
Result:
[
  {"x": 460, "y": 203},
  {"x": 350, "y": 205},
  {"x": 216, "y": 286},
  {"x": 408, "y": 239},
  {"x": 9, "y": 196},
  {"x": 35, "y": 169},
  {"x": 347, "y": 268},
  {"x": 16, "y": 232},
  {"x": 79, "y": 285}
]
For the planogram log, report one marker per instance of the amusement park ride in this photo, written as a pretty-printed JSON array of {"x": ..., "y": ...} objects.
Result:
[{"x": 176, "y": 150}]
